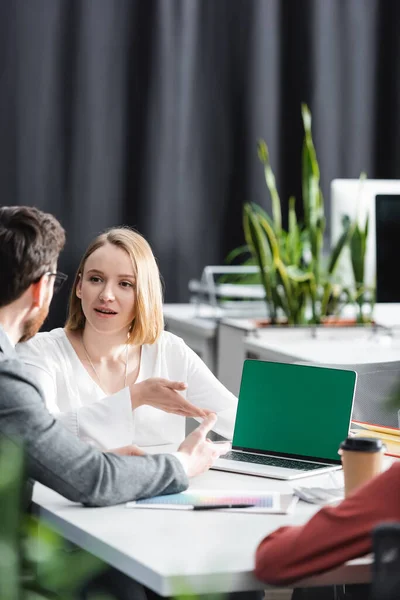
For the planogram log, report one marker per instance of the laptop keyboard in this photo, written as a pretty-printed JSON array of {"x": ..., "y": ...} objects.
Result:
[{"x": 273, "y": 461}]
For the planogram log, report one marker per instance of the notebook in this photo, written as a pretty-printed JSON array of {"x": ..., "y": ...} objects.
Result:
[
  {"x": 290, "y": 420},
  {"x": 390, "y": 436},
  {"x": 261, "y": 501}
]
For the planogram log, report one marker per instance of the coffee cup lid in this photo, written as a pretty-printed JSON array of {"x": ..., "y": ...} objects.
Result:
[{"x": 357, "y": 444}]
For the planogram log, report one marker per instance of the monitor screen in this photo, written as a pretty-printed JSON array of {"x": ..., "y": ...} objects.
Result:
[
  {"x": 294, "y": 410},
  {"x": 387, "y": 224},
  {"x": 357, "y": 198}
]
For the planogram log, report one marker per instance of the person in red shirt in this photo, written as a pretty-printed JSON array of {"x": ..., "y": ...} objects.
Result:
[{"x": 333, "y": 536}]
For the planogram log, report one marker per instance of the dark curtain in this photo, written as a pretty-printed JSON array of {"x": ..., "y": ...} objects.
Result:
[{"x": 147, "y": 112}]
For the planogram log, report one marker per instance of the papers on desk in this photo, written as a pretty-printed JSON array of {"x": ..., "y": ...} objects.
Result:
[
  {"x": 260, "y": 501},
  {"x": 390, "y": 436},
  {"x": 318, "y": 495}
]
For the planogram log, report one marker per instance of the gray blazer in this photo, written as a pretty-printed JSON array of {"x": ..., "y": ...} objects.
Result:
[{"x": 59, "y": 460}]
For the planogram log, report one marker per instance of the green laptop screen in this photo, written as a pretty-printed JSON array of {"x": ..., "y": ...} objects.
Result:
[{"x": 293, "y": 409}]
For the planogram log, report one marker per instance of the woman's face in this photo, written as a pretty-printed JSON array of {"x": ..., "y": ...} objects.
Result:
[{"x": 107, "y": 289}]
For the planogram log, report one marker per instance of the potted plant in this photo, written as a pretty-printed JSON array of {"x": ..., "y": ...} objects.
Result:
[{"x": 302, "y": 286}]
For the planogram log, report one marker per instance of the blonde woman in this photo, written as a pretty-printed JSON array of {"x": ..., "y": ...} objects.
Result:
[{"x": 112, "y": 375}]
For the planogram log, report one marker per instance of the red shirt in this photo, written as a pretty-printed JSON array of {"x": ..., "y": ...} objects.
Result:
[{"x": 333, "y": 536}]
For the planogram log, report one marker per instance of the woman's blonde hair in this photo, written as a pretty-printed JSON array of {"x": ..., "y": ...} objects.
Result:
[{"x": 148, "y": 323}]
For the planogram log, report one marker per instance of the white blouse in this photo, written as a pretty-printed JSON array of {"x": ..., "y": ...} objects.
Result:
[{"x": 74, "y": 398}]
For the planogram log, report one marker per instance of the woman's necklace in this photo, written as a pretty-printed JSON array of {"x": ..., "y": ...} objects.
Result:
[{"x": 94, "y": 368}]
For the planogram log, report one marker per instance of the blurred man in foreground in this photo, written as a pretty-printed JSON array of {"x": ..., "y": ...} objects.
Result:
[{"x": 332, "y": 537}]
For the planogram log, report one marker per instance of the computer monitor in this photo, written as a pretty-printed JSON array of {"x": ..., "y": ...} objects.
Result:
[
  {"x": 387, "y": 221},
  {"x": 350, "y": 195}
]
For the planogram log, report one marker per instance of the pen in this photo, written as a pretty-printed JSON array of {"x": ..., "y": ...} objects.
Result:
[{"x": 216, "y": 506}]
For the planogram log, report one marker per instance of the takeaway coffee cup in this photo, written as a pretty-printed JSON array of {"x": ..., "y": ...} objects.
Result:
[{"x": 362, "y": 459}]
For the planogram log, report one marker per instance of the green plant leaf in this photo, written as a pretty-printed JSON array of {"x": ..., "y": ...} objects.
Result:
[
  {"x": 262, "y": 150},
  {"x": 66, "y": 571},
  {"x": 271, "y": 237},
  {"x": 340, "y": 245},
  {"x": 236, "y": 252},
  {"x": 258, "y": 243},
  {"x": 11, "y": 481},
  {"x": 310, "y": 173},
  {"x": 306, "y": 116},
  {"x": 293, "y": 240},
  {"x": 271, "y": 184},
  {"x": 313, "y": 208},
  {"x": 357, "y": 248},
  {"x": 298, "y": 275},
  {"x": 366, "y": 230},
  {"x": 259, "y": 210}
]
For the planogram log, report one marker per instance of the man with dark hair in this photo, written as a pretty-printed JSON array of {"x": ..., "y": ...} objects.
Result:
[{"x": 30, "y": 242}]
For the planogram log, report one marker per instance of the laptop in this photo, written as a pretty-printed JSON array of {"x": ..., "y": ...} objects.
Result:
[{"x": 290, "y": 420}]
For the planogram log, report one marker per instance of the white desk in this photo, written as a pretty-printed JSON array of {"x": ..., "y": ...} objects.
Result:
[
  {"x": 171, "y": 551},
  {"x": 330, "y": 346}
]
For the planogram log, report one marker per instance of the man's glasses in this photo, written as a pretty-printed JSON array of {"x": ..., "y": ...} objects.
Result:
[{"x": 59, "y": 279}]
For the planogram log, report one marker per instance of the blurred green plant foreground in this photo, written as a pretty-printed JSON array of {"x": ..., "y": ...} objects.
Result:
[
  {"x": 301, "y": 285},
  {"x": 34, "y": 561}
]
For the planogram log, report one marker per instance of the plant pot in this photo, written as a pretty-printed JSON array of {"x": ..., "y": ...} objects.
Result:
[{"x": 326, "y": 322}]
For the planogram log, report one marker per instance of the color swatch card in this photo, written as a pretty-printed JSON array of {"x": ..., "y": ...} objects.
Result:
[{"x": 232, "y": 500}]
